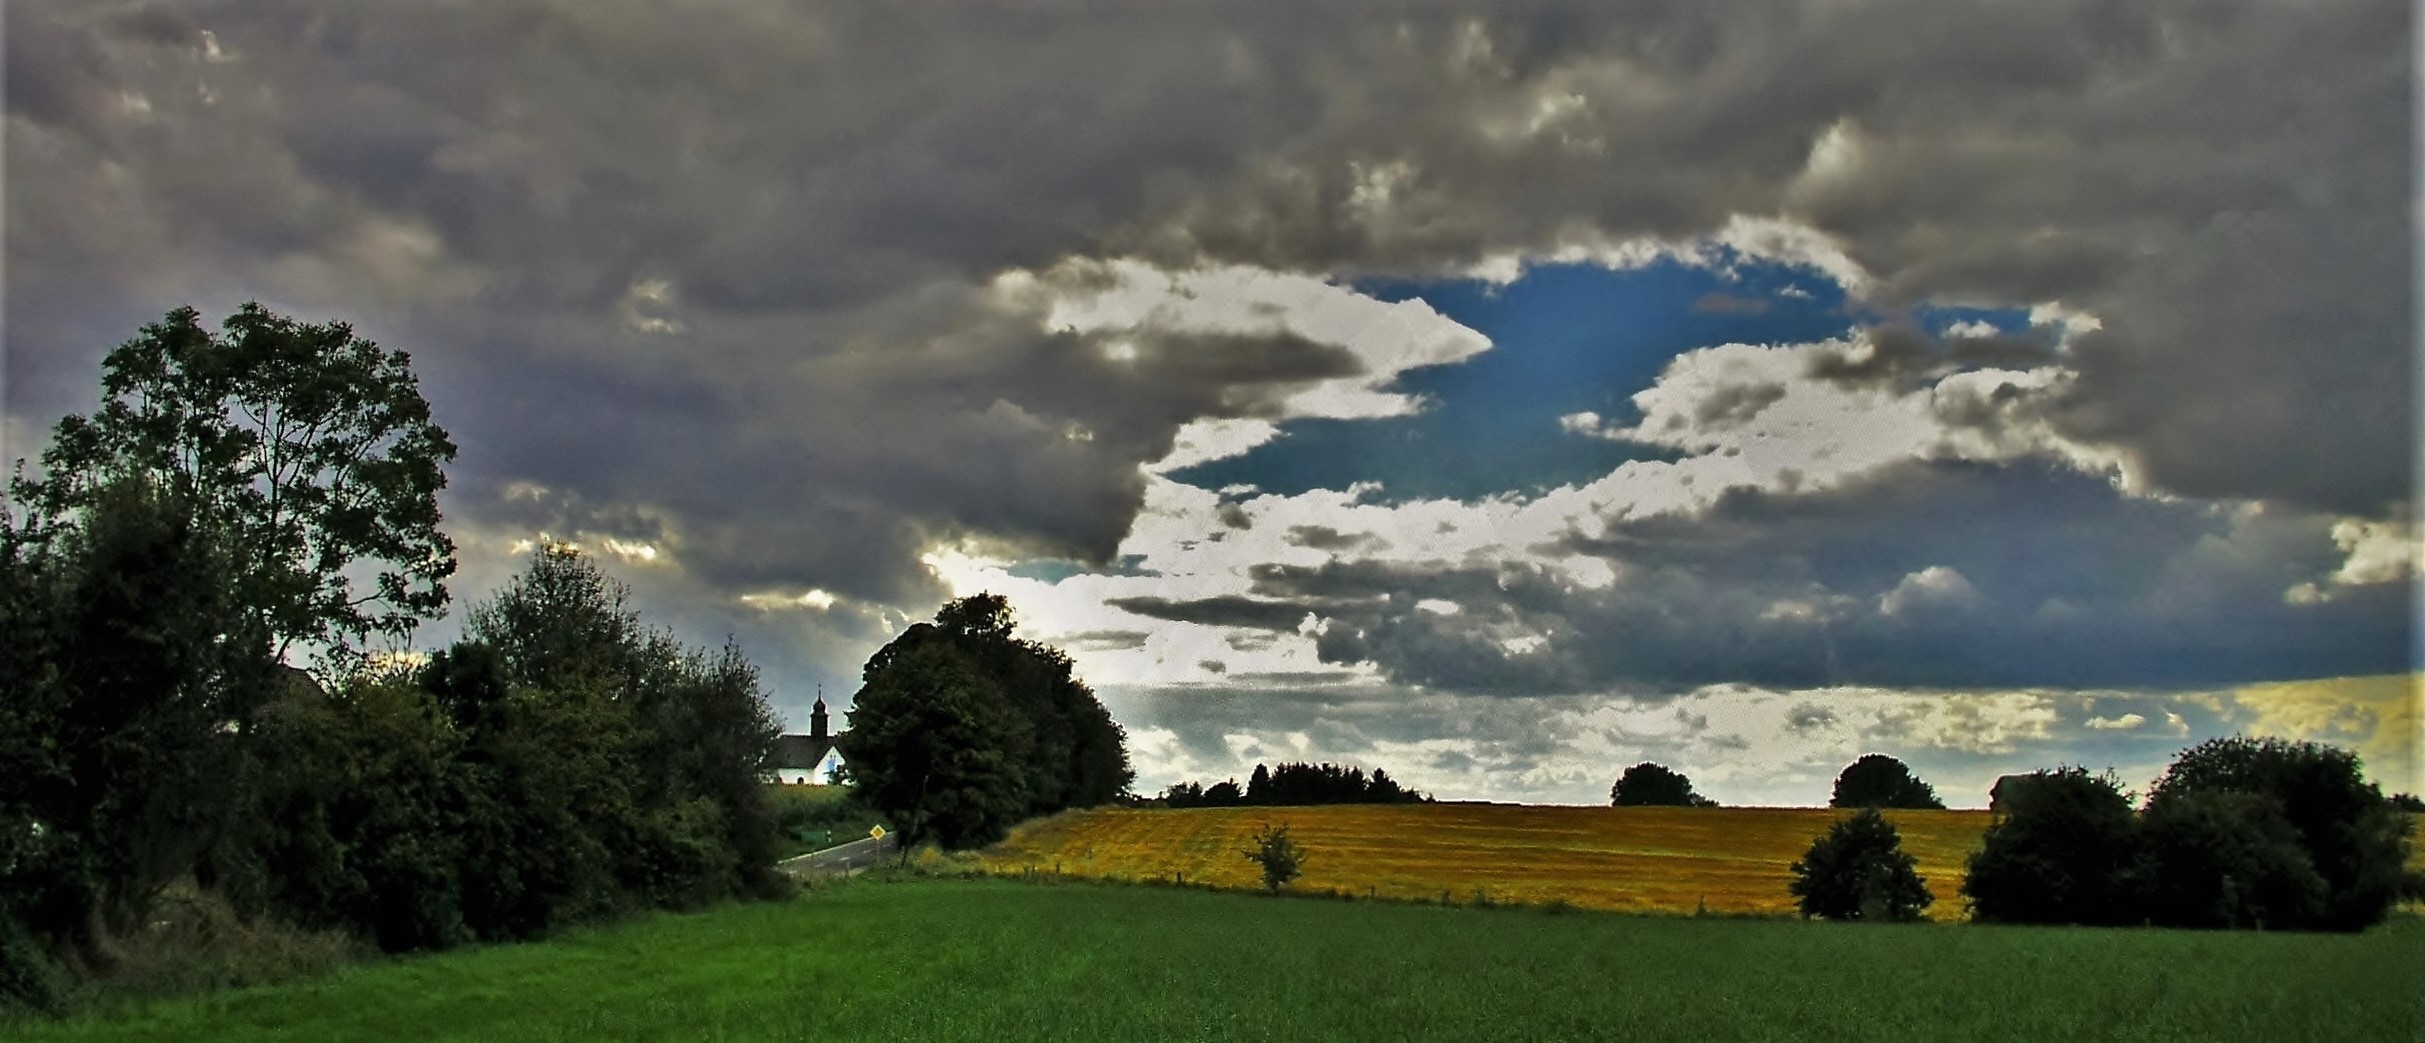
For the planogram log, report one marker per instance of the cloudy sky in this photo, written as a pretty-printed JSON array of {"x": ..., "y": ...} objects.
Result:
[{"x": 1499, "y": 396}]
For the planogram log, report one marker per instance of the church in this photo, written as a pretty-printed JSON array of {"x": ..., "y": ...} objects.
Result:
[{"x": 809, "y": 759}]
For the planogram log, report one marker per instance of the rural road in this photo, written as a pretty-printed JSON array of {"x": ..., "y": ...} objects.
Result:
[{"x": 857, "y": 854}]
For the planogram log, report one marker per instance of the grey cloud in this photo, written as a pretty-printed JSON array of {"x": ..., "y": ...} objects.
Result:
[
  {"x": 1224, "y": 611},
  {"x": 1903, "y": 357},
  {"x": 1102, "y": 640},
  {"x": 826, "y": 191},
  {"x": 1810, "y": 715},
  {"x": 2062, "y": 582},
  {"x": 1323, "y": 537},
  {"x": 1735, "y": 406}
]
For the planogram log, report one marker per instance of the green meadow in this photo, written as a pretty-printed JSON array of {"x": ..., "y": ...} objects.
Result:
[{"x": 935, "y": 959}]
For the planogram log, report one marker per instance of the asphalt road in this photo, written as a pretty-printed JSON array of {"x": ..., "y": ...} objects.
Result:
[{"x": 843, "y": 858}]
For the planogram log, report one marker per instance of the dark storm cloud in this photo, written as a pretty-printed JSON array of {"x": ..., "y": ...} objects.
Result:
[
  {"x": 1903, "y": 358},
  {"x": 1226, "y": 611},
  {"x": 1104, "y": 640},
  {"x": 724, "y": 270},
  {"x": 1923, "y": 576},
  {"x": 1729, "y": 304},
  {"x": 1323, "y": 537}
]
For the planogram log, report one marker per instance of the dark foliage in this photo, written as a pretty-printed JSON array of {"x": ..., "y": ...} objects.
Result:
[
  {"x": 1295, "y": 784},
  {"x": 1858, "y": 871},
  {"x": 131, "y": 679},
  {"x": 2408, "y": 802},
  {"x": 961, "y": 729},
  {"x": 1879, "y": 781},
  {"x": 2227, "y": 859},
  {"x": 310, "y": 448},
  {"x": 2063, "y": 850},
  {"x": 561, "y": 762},
  {"x": 1655, "y": 785},
  {"x": 2354, "y": 838}
]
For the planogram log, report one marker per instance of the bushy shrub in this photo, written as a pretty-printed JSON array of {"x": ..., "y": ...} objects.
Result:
[
  {"x": 30, "y": 979},
  {"x": 1857, "y": 870},
  {"x": 361, "y": 815},
  {"x": 2063, "y": 850}
]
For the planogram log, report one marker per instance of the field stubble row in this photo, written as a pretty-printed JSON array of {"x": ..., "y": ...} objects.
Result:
[
  {"x": 1724, "y": 860},
  {"x": 1638, "y": 859}
]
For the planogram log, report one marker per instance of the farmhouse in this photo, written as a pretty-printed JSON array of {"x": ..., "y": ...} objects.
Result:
[
  {"x": 808, "y": 759},
  {"x": 2007, "y": 787}
]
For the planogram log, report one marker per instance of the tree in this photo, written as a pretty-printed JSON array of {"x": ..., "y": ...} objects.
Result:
[
  {"x": 134, "y": 671},
  {"x": 1655, "y": 785},
  {"x": 1858, "y": 871},
  {"x": 931, "y": 749},
  {"x": 310, "y": 448},
  {"x": 2063, "y": 850},
  {"x": 700, "y": 729},
  {"x": 1009, "y": 706},
  {"x": 1879, "y": 781},
  {"x": 2223, "y": 858},
  {"x": 1280, "y": 857},
  {"x": 2355, "y": 839}
]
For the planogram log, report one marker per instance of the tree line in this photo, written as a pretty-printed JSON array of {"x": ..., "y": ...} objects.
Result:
[
  {"x": 1295, "y": 783},
  {"x": 264, "y": 494},
  {"x": 2238, "y": 832}
]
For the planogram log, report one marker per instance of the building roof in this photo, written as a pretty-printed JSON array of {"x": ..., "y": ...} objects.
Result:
[{"x": 802, "y": 751}]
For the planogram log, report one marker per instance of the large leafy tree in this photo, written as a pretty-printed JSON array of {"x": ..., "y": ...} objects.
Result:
[
  {"x": 2353, "y": 837},
  {"x": 311, "y": 448},
  {"x": 1879, "y": 781},
  {"x": 2064, "y": 848},
  {"x": 933, "y": 746},
  {"x": 962, "y": 729}
]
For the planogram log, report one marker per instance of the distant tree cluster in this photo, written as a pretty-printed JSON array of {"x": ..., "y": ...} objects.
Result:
[
  {"x": 1655, "y": 785},
  {"x": 2238, "y": 832},
  {"x": 249, "y": 497},
  {"x": 1879, "y": 781},
  {"x": 962, "y": 729},
  {"x": 1295, "y": 783}
]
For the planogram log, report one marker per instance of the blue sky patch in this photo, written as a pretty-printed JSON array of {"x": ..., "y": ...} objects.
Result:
[{"x": 1565, "y": 339}]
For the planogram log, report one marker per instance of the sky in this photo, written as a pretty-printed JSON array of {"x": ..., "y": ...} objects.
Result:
[{"x": 1499, "y": 395}]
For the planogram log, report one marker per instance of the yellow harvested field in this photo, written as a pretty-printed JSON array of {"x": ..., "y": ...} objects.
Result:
[
  {"x": 1636, "y": 859},
  {"x": 1633, "y": 859}
]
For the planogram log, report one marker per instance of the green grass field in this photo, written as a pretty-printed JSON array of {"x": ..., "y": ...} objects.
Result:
[{"x": 996, "y": 960}]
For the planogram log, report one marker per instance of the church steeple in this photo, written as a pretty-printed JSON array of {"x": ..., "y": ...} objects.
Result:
[{"x": 816, "y": 718}]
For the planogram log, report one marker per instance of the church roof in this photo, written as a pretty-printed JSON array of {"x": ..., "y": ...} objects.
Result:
[{"x": 802, "y": 751}]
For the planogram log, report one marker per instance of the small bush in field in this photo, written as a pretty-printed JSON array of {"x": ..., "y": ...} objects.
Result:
[
  {"x": 1282, "y": 860},
  {"x": 1858, "y": 871}
]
